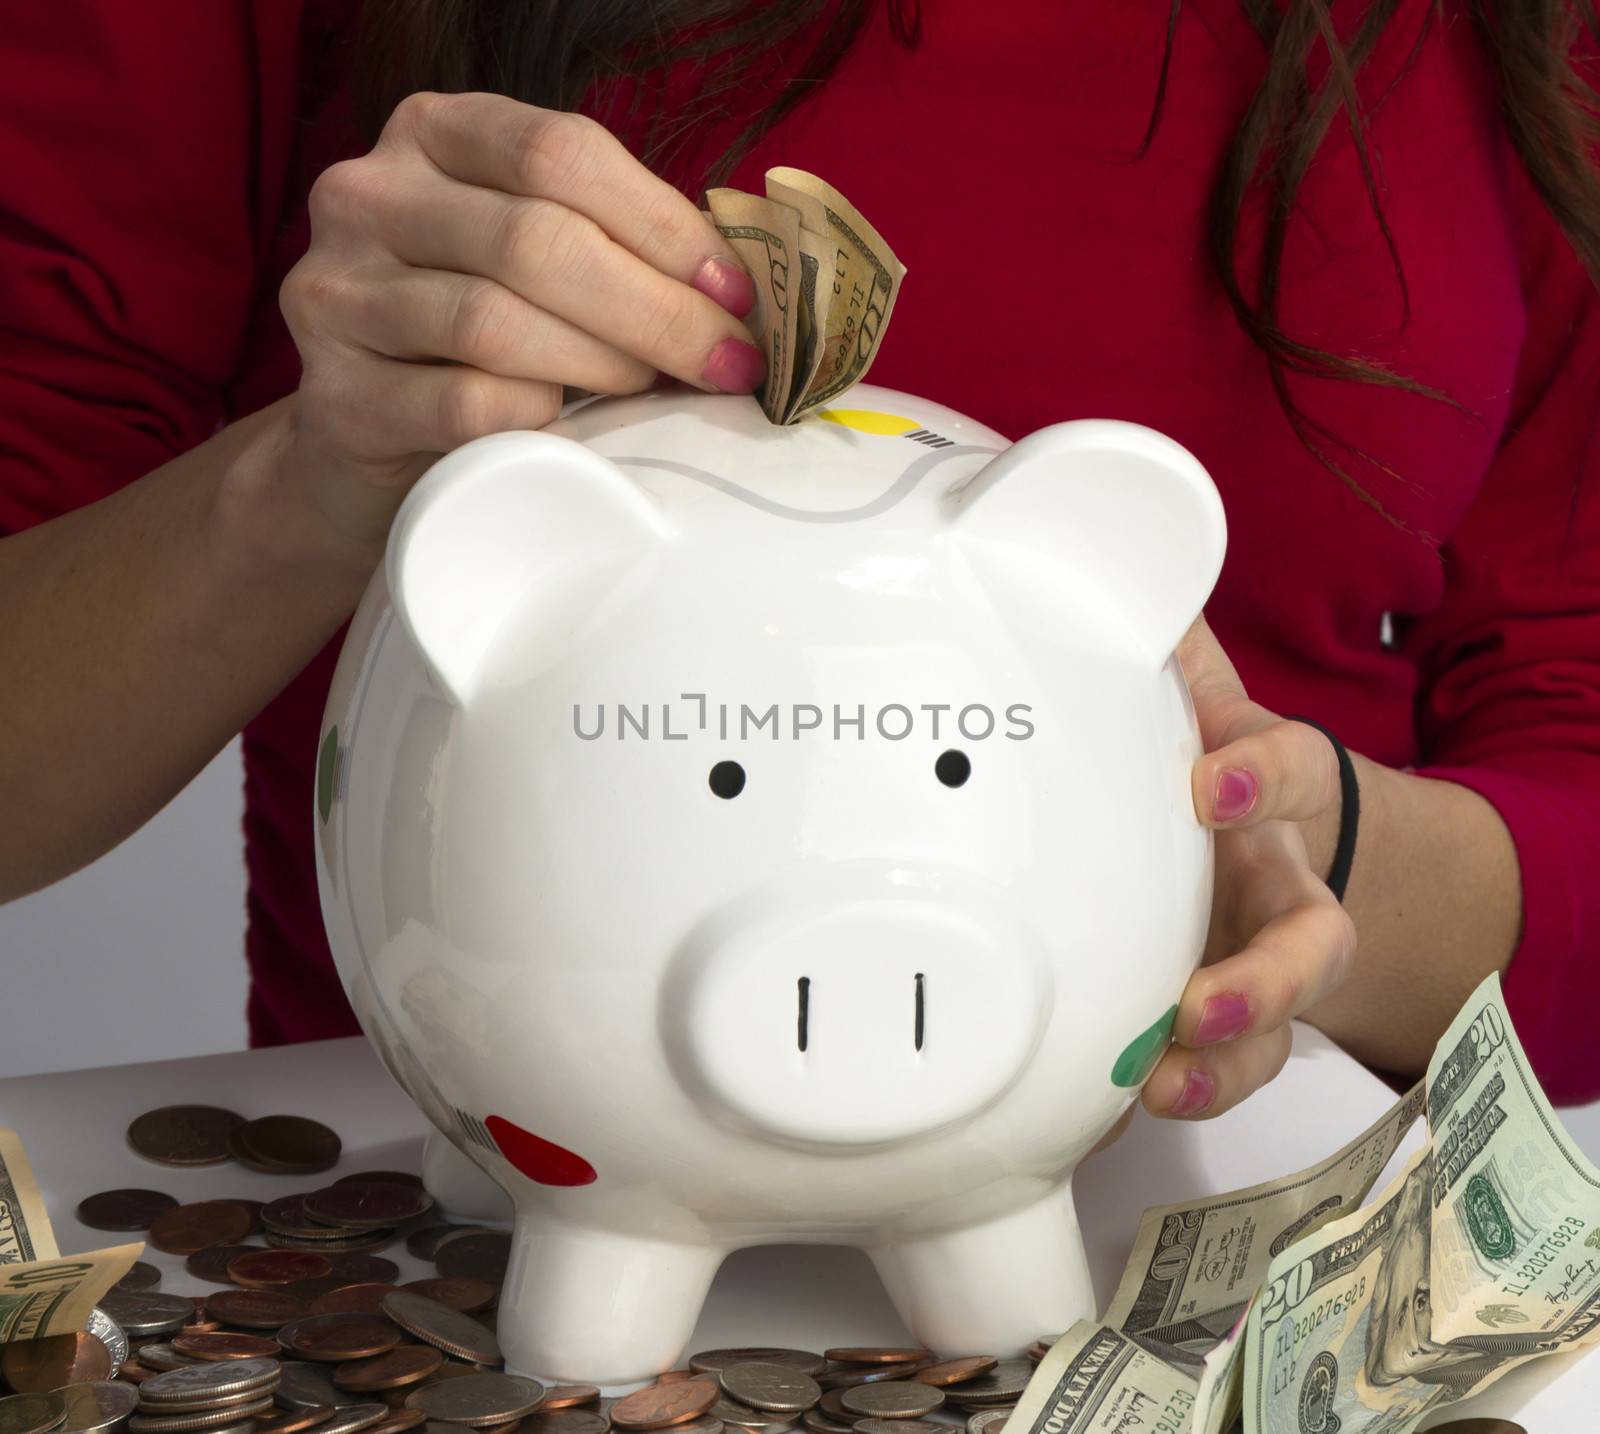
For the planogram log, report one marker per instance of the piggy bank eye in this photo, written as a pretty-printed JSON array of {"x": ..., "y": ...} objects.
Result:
[
  {"x": 952, "y": 768},
  {"x": 727, "y": 780}
]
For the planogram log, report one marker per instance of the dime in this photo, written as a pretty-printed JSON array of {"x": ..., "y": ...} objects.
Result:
[
  {"x": 142, "y": 1276},
  {"x": 399, "y": 1367},
  {"x": 111, "y": 1334},
  {"x": 163, "y": 1356},
  {"x": 900, "y": 1426},
  {"x": 424, "y": 1243},
  {"x": 36, "y": 1366},
  {"x": 309, "y": 1386},
  {"x": 1001, "y": 1385},
  {"x": 200, "y": 1403},
  {"x": 287, "y": 1215},
  {"x": 399, "y": 1420},
  {"x": 232, "y": 1415},
  {"x": 357, "y": 1338},
  {"x": 356, "y": 1416},
  {"x": 989, "y": 1421},
  {"x": 1479, "y": 1426},
  {"x": 658, "y": 1405},
  {"x": 296, "y": 1420},
  {"x": 565, "y": 1421},
  {"x": 363, "y": 1206},
  {"x": 31, "y": 1413},
  {"x": 705, "y": 1424},
  {"x": 819, "y": 1423},
  {"x": 147, "y": 1311},
  {"x": 380, "y": 1177},
  {"x": 185, "y": 1229},
  {"x": 134, "y": 1372},
  {"x": 953, "y": 1371},
  {"x": 564, "y": 1396},
  {"x": 257, "y": 1269},
  {"x": 480, "y": 1399},
  {"x": 216, "y": 1381},
  {"x": 834, "y": 1409},
  {"x": 131, "y": 1209},
  {"x": 334, "y": 1242},
  {"x": 286, "y": 1145},
  {"x": 450, "y": 1330},
  {"x": 478, "y": 1256},
  {"x": 858, "y": 1355},
  {"x": 460, "y": 1293},
  {"x": 184, "y": 1134},
  {"x": 97, "y": 1405},
  {"x": 212, "y": 1264},
  {"x": 714, "y": 1361},
  {"x": 844, "y": 1376},
  {"x": 893, "y": 1399},
  {"x": 219, "y": 1347},
  {"x": 256, "y": 1309},
  {"x": 779, "y": 1388}
]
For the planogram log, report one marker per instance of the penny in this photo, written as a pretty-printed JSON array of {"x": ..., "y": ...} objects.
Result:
[
  {"x": 989, "y": 1421},
  {"x": 400, "y": 1420},
  {"x": 131, "y": 1209},
  {"x": 658, "y": 1405},
  {"x": 143, "y": 1276},
  {"x": 218, "y": 1347},
  {"x": 212, "y": 1264},
  {"x": 287, "y": 1215},
  {"x": 36, "y": 1366},
  {"x": 365, "y": 1206},
  {"x": 1003, "y": 1383},
  {"x": 199, "y": 1403},
  {"x": 565, "y": 1421},
  {"x": 380, "y": 1177},
  {"x": 260, "y": 1268},
  {"x": 858, "y": 1355},
  {"x": 843, "y": 1376},
  {"x": 184, "y": 1229},
  {"x": 356, "y": 1416},
  {"x": 742, "y": 1417},
  {"x": 777, "y": 1387},
  {"x": 231, "y": 1416},
  {"x": 290, "y": 1331},
  {"x": 668, "y": 1376},
  {"x": 257, "y": 1309},
  {"x": 424, "y": 1243},
  {"x": 564, "y": 1396},
  {"x": 145, "y": 1312},
  {"x": 286, "y": 1145},
  {"x": 296, "y": 1420},
  {"x": 460, "y": 1293},
  {"x": 213, "y": 1380},
  {"x": 96, "y": 1405},
  {"x": 337, "y": 1242},
  {"x": 714, "y": 1361},
  {"x": 479, "y": 1256},
  {"x": 310, "y": 1386},
  {"x": 893, "y": 1399},
  {"x": 480, "y": 1399},
  {"x": 352, "y": 1299},
  {"x": 953, "y": 1371},
  {"x": 819, "y": 1423},
  {"x": 450, "y": 1330},
  {"x": 365, "y": 1269},
  {"x": 184, "y": 1134},
  {"x": 705, "y": 1424},
  {"x": 352, "y": 1339},
  {"x": 160, "y": 1355},
  {"x": 900, "y": 1426},
  {"x": 1038, "y": 1349},
  {"x": 31, "y": 1413},
  {"x": 399, "y": 1367},
  {"x": 1479, "y": 1426}
]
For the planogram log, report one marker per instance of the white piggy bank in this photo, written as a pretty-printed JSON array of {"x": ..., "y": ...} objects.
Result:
[{"x": 732, "y": 834}]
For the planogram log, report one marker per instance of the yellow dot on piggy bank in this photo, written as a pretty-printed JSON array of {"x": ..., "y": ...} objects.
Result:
[{"x": 865, "y": 420}]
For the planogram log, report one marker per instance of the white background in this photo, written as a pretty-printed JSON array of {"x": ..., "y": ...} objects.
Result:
[{"x": 141, "y": 956}]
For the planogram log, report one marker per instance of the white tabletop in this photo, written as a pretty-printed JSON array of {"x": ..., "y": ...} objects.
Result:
[{"x": 72, "y": 1125}]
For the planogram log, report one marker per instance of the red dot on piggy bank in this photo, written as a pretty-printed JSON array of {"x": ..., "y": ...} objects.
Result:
[{"x": 537, "y": 1158}]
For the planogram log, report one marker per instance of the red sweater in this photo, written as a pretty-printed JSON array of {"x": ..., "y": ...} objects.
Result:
[{"x": 155, "y": 169}]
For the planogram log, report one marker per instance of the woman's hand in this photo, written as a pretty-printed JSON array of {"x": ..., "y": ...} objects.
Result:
[
  {"x": 483, "y": 256},
  {"x": 1279, "y": 941}
]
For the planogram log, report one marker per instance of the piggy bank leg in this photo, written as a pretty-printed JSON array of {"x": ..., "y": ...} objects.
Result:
[
  {"x": 598, "y": 1306},
  {"x": 995, "y": 1286},
  {"x": 462, "y": 1190}
]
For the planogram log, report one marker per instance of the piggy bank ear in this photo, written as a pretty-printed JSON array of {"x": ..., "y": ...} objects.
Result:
[
  {"x": 503, "y": 521},
  {"x": 1114, "y": 510}
]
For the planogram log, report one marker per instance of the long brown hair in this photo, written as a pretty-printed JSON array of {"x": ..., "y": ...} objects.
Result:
[{"x": 555, "y": 52}]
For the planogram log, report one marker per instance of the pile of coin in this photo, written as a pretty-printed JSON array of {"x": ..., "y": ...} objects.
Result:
[{"x": 307, "y": 1329}]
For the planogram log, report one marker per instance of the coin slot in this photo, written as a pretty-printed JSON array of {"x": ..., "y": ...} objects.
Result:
[
  {"x": 803, "y": 985},
  {"x": 921, "y": 998}
]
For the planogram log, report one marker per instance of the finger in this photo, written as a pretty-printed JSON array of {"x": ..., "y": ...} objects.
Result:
[
  {"x": 555, "y": 258},
  {"x": 1196, "y": 1085},
  {"x": 498, "y": 143},
  {"x": 382, "y": 410},
  {"x": 407, "y": 313},
  {"x": 1294, "y": 961},
  {"x": 1281, "y": 771}
]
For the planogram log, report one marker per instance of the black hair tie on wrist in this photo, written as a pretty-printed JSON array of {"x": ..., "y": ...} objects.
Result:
[{"x": 1344, "y": 851}]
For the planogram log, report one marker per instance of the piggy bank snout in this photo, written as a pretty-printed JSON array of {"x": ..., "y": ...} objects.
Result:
[{"x": 861, "y": 1020}]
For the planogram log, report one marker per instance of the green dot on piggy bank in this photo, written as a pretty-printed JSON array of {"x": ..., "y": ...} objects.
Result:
[
  {"x": 327, "y": 771},
  {"x": 1140, "y": 1055}
]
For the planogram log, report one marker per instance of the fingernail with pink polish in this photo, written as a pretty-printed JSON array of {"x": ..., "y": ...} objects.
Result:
[
  {"x": 735, "y": 367},
  {"x": 1236, "y": 793},
  {"x": 1221, "y": 1019},
  {"x": 728, "y": 285},
  {"x": 1199, "y": 1090}
]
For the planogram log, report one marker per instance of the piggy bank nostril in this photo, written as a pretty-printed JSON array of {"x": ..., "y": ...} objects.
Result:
[{"x": 727, "y": 780}]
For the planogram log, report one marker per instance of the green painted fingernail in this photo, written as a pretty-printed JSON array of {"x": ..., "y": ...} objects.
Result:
[
  {"x": 327, "y": 770},
  {"x": 1139, "y": 1058}
]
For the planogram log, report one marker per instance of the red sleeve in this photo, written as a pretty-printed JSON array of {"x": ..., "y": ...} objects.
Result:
[
  {"x": 132, "y": 147},
  {"x": 1510, "y": 661}
]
